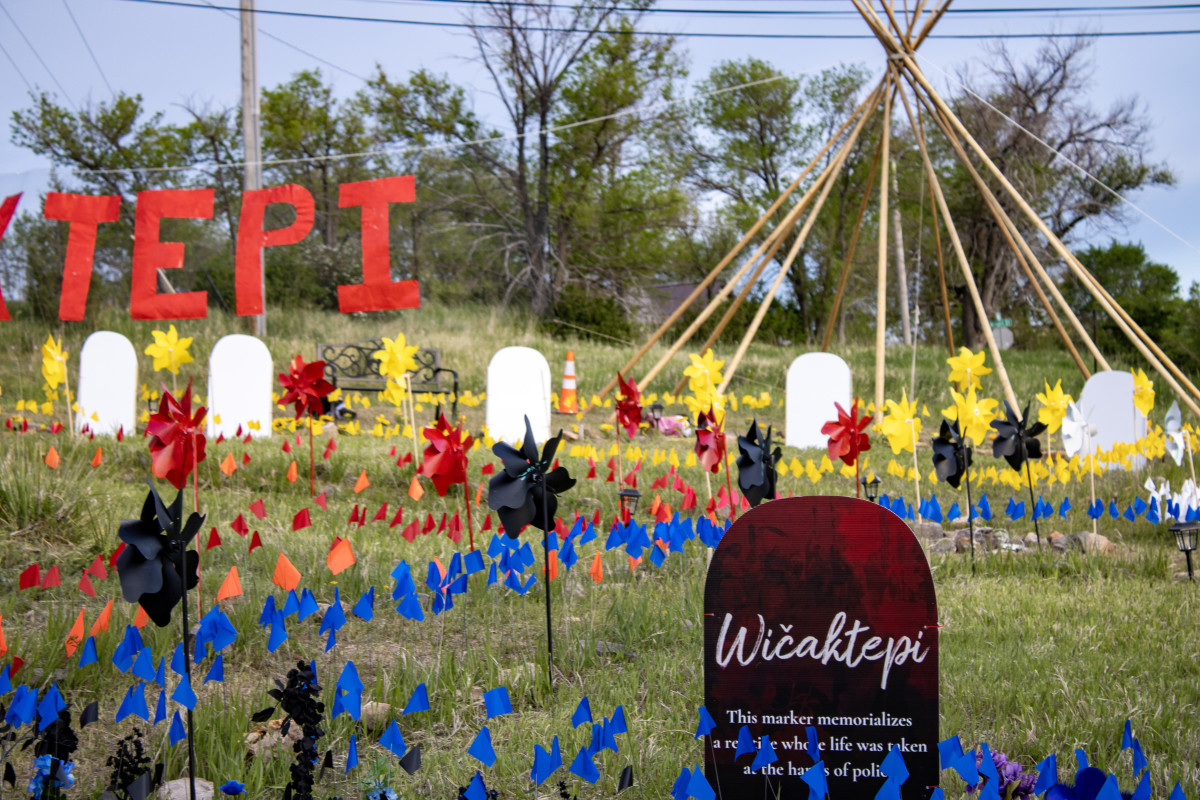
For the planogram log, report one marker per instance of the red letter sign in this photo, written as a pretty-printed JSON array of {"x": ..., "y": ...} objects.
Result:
[
  {"x": 151, "y": 255},
  {"x": 378, "y": 292},
  {"x": 85, "y": 213},
  {"x": 7, "y": 209},
  {"x": 252, "y": 238}
]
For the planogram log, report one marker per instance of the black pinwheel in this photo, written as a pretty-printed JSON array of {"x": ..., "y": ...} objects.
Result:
[
  {"x": 155, "y": 561},
  {"x": 525, "y": 491},
  {"x": 1014, "y": 442},
  {"x": 756, "y": 465},
  {"x": 951, "y": 456}
]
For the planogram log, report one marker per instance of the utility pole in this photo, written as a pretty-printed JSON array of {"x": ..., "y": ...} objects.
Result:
[{"x": 252, "y": 177}]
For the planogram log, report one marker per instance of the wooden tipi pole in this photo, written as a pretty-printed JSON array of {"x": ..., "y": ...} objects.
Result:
[{"x": 881, "y": 282}]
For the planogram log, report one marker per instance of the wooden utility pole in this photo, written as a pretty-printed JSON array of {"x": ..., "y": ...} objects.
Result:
[{"x": 252, "y": 176}]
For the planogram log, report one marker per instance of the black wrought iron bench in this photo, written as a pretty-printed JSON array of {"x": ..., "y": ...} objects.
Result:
[{"x": 352, "y": 365}]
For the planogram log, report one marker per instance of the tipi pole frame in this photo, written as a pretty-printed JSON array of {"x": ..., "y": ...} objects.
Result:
[{"x": 882, "y": 241}]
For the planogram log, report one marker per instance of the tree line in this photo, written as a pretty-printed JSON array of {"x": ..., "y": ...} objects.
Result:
[{"x": 597, "y": 182}]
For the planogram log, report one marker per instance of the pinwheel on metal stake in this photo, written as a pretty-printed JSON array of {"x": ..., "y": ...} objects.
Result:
[
  {"x": 710, "y": 451},
  {"x": 1017, "y": 445},
  {"x": 445, "y": 462},
  {"x": 629, "y": 416},
  {"x": 306, "y": 387},
  {"x": 847, "y": 438},
  {"x": 525, "y": 492},
  {"x": 952, "y": 463},
  {"x": 756, "y": 465}
]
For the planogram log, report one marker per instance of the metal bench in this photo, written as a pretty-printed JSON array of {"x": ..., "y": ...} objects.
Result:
[{"x": 352, "y": 365}]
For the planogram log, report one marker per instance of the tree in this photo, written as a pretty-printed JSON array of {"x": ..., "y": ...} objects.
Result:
[{"x": 1047, "y": 98}]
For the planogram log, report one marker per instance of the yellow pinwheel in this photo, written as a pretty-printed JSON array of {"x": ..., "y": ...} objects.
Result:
[
  {"x": 966, "y": 367},
  {"x": 901, "y": 425},
  {"x": 1054, "y": 406},
  {"x": 705, "y": 371},
  {"x": 974, "y": 414},
  {"x": 54, "y": 363},
  {"x": 396, "y": 358},
  {"x": 169, "y": 351},
  {"x": 1143, "y": 393}
]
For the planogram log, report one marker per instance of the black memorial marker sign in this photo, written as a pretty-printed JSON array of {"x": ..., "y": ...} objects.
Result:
[{"x": 821, "y": 611}]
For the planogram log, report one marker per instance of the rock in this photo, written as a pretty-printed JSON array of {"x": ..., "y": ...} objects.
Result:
[
  {"x": 1058, "y": 542},
  {"x": 1180, "y": 576},
  {"x": 265, "y": 741},
  {"x": 942, "y": 546},
  {"x": 1030, "y": 540},
  {"x": 1095, "y": 542},
  {"x": 178, "y": 789},
  {"x": 929, "y": 530},
  {"x": 375, "y": 716}
]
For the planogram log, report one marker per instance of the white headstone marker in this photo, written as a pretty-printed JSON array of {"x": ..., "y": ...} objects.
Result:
[
  {"x": 518, "y": 385},
  {"x": 107, "y": 395},
  {"x": 240, "y": 377},
  {"x": 1107, "y": 403},
  {"x": 815, "y": 381}
]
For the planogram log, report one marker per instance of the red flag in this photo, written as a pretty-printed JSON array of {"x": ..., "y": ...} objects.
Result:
[
  {"x": 320, "y": 500},
  {"x": 410, "y": 532},
  {"x": 381, "y": 514},
  {"x": 488, "y": 469},
  {"x": 239, "y": 526},
  {"x": 454, "y": 529},
  {"x": 330, "y": 449},
  {"x": 429, "y": 524},
  {"x": 302, "y": 520},
  {"x": 85, "y": 585},
  {"x": 213, "y": 539},
  {"x": 353, "y": 515},
  {"x": 254, "y": 542},
  {"x": 442, "y": 524},
  {"x": 51, "y": 578},
  {"x": 487, "y": 523},
  {"x": 396, "y": 520},
  {"x": 258, "y": 509},
  {"x": 97, "y": 568},
  {"x": 112, "y": 560}
]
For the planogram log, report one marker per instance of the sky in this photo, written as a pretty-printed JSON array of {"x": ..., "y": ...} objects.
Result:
[{"x": 174, "y": 55}]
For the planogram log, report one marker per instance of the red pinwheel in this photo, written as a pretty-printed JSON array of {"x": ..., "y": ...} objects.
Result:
[
  {"x": 176, "y": 438},
  {"x": 306, "y": 386},
  {"x": 846, "y": 437},
  {"x": 710, "y": 441},
  {"x": 446, "y": 455},
  {"x": 629, "y": 406}
]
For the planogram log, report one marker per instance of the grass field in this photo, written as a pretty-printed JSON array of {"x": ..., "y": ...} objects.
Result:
[{"x": 1036, "y": 656}]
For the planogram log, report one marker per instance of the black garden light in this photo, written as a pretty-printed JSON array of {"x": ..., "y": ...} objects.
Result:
[
  {"x": 629, "y": 501},
  {"x": 1185, "y": 540},
  {"x": 656, "y": 412},
  {"x": 871, "y": 487}
]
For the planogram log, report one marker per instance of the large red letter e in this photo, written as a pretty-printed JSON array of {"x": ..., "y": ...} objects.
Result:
[
  {"x": 151, "y": 255},
  {"x": 377, "y": 292}
]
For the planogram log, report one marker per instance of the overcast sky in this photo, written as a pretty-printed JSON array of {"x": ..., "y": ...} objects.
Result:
[{"x": 173, "y": 55}]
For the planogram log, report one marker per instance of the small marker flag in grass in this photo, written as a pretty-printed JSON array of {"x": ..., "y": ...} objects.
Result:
[
  {"x": 47, "y": 710},
  {"x": 177, "y": 733},
  {"x": 966, "y": 768},
  {"x": 481, "y": 747},
  {"x": 286, "y": 576},
  {"x": 1047, "y": 774},
  {"x": 365, "y": 607},
  {"x": 1139, "y": 758},
  {"x": 949, "y": 751},
  {"x": 412, "y": 760},
  {"x": 1177, "y": 793},
  {"x": 419, "y": 700},
  {"x": 706, "y": 723},
  {"x": 679, "y": 788},
  {"x": 745, "y": 743},
  {"x": 814, "y": 776},
  {"x": 1127, "y": 736},
  {"x": 583, "y": 713},
  {"x": 88, "y": 656},
  {"x": 393, "y": 740},
  {"x": 1081, "y": 758},
  {"x": 352, "y": 754},
  {"x": 765, "y": 755},
  {"x": 134, "y": 703},
  {"x": 987, "y": 765},
  {"x": 476, "y": 790},
  {"x": 584, "y": 767},
  {"x": 698, "y": 786},
  {"x": 184, "y": 695},
  {"x": 496, "y": 702},
  {"x": 217, "y": 671},
  {"x": 1142, "y": 792},
  {"x": 891, "y": 791},
  {"x": 893, "y": 766}
]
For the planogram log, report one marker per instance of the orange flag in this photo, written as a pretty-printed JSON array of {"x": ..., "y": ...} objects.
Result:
[
  {"x": 415, "y": 490},
  {"x": 3, "y": 643},
  {"x": 633, "y": 562},
  {"x": 361, "y": 483},
  {"x": 141, "y": 619},
  {"x": 231, "y": 586},
  {"x": 654, "y": 506},
  {"x": 98, "y": 458},
  {"x": 286, "y": 576},
  {"x": 75, "y": 637},
  {"x": 101, "y": 623},
  {"x": 229, "y": 465},
  {"x": 479, "y": 493},
  {"x": 292, "y": 473},
  {"x": 340, "y": 557},
  {"x": 553, "y": 568},
  {"x": 597, "y": 570},
  {"x": 52, "y": 458}
]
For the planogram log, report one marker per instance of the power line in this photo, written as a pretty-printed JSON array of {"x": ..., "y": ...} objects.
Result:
[
  {"x": 295, "y": 47},
  {"x": 95, "y": 60},
  {"x": 680, "y": 34},
  {"x": 38, "y": 56},
  {"x": 28, "y": 85}
]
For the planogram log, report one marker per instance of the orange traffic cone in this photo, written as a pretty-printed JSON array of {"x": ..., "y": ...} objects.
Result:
[{"x": 568, "y": 402}]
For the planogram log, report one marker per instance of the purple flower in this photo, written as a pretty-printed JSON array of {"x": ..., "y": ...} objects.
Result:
[{"x": 1010, "y": 773}]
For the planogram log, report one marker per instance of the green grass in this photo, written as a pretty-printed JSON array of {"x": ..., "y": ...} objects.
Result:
[{"x": 1037, "y": 655}]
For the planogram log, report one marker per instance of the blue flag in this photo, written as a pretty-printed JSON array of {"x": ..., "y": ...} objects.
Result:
[
  {"x": 420, "y": 698},
  {"x": 481, "y": 747},
  {"x": 706, "y": 723},
  {"x": 496, "y": 702}
]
